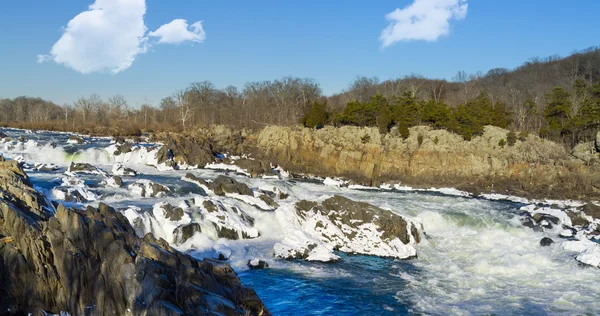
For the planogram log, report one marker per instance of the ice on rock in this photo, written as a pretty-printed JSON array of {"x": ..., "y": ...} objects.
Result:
[
  {"x": 147, "y": 188},
  {"x": 590, "y": 256},
  {"x": 334, "y": 182},
  {"x": 120, "y": 170}
]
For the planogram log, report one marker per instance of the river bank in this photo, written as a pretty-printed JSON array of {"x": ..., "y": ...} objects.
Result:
[{"x": 531, "y": 167}]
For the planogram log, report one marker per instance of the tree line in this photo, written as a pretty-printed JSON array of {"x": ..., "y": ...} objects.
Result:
[{"x": 554, "y": 97}]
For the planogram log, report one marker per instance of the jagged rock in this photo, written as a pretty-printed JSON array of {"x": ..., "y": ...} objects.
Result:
[
  {"x": 528, "y": 222},
  {"x": 123, "y": 148},
  {"x": 229, "y": 222},
  {"x": 195, "y": 151},
  {"x": 185, "y": 232},
  {"x": 22, "y": 139},
  {"x": 90, "y": 262},
  {"x": 592, "y": 210},
  {"x": 578, "y": 219},
  {"x": 120, "y": 170},
  {"x": 540, "y": 217},
  {"x": 269, "y": 201},
  {"x": 254, "y": 167},
  {"x": 193, "y": 179},
  {"x": 545, "y": 242},
  {"x": 223, "y": 184},
  {"x": 113, "y": 182},
  {"x": 348, "y": 226},
  {"x": 75, "y": 140},
  {"x": 78, "y": 167},
  {"x": 45, "y": 167},
  {"x": 172, "y": 213},
  {"x": 147, "y": 188},
  {"x": 3, "y": 135},
  {"x": 597, "y": 142},
  {"x": 257, "y": 264}
]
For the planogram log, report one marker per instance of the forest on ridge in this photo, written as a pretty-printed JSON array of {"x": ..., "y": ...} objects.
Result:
[{"x": 557, "y": 98}]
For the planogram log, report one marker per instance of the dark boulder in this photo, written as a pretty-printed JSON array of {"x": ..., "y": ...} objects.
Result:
[
  {"x": 539, "y": 217},
  {"x": 223, "y": 184},
  {"x": 545, "y": 242}
]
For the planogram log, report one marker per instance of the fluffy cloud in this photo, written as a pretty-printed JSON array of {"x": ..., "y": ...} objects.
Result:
[
  {"x": 178, "y": 31},
  {"x": 111, "y": 34},
  {"x": 422, "y": 20}
]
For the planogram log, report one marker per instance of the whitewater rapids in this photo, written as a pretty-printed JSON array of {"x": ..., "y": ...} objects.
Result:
[{"x": 476, "y": 258}]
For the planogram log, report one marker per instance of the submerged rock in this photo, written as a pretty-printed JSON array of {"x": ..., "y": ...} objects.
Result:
[
  {"x": 545, "y": 242},
  {"x": 90, "y": 262},
  {"x": 257, "y": 264},
  {"x": 73, "y": 139}
]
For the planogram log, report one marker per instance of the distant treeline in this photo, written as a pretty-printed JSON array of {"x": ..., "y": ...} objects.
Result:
[{"x": 557, "y": 98}]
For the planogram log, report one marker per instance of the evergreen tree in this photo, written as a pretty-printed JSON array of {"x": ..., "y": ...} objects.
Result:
[
  {"x": 557, "y": 112},
  {"x": 317, "y": 116}
]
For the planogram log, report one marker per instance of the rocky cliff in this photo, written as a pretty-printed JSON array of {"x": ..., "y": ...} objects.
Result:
[
  {"x": 90, "y": 262},
  {"x": 530, "y": 167}
]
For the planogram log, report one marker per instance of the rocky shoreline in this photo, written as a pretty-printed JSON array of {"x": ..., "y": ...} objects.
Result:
[{"x": 90, "y": 262}]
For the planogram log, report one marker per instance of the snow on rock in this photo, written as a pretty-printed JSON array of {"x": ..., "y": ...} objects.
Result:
[
  {"x": 45, "y": 167},
  {"x": 147, "y": 188},
  {"x": 450, "y": 191},
  {"x": 226, "y": 167},
  {"x": 591, "y": 256},
  {"x": 75, "y": 140},
  {"x": 229, "y": 221},
  {"x": 348, "y": 226},
  {"x": 199, "y": 182},
  {"x": 334, "y": 182},
  {"x": 589, "y": 251},
  {"x": 85, "y": 168},
  {"x": 120, "y": 170},
  {"x": 113, "y": 182},
  {"x": 256, "y": 263},
  {"x": 503, "y": 197},
  {"x": 547, "y": 213},
  {"x": 73, "y": 189}
]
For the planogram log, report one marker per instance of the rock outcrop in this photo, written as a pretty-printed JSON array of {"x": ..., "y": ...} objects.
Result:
[
  {"x": 191, "y": 150},
  {"x": 339, "y": 223},
  {"x": 532, "y": 167},
  {"x": 90, "y": 262}
]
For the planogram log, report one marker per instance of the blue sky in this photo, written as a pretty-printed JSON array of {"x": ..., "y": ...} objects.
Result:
[{"x": 240, "y": 41}]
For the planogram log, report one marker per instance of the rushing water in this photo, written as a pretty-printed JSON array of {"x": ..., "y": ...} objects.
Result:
[{"x": 476, "y": 258}]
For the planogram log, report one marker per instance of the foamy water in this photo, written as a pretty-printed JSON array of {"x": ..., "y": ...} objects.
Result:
[{"x": 476, "y": 258}]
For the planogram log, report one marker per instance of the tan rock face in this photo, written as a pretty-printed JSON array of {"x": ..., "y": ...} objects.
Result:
[{"x": 442, "y": 158}]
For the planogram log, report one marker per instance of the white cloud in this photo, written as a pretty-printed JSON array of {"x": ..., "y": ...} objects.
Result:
[
  {"x": 422, "y": 20},
  {"x": 110, "y": 35},
  {"x": 178, "y": 31}
]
